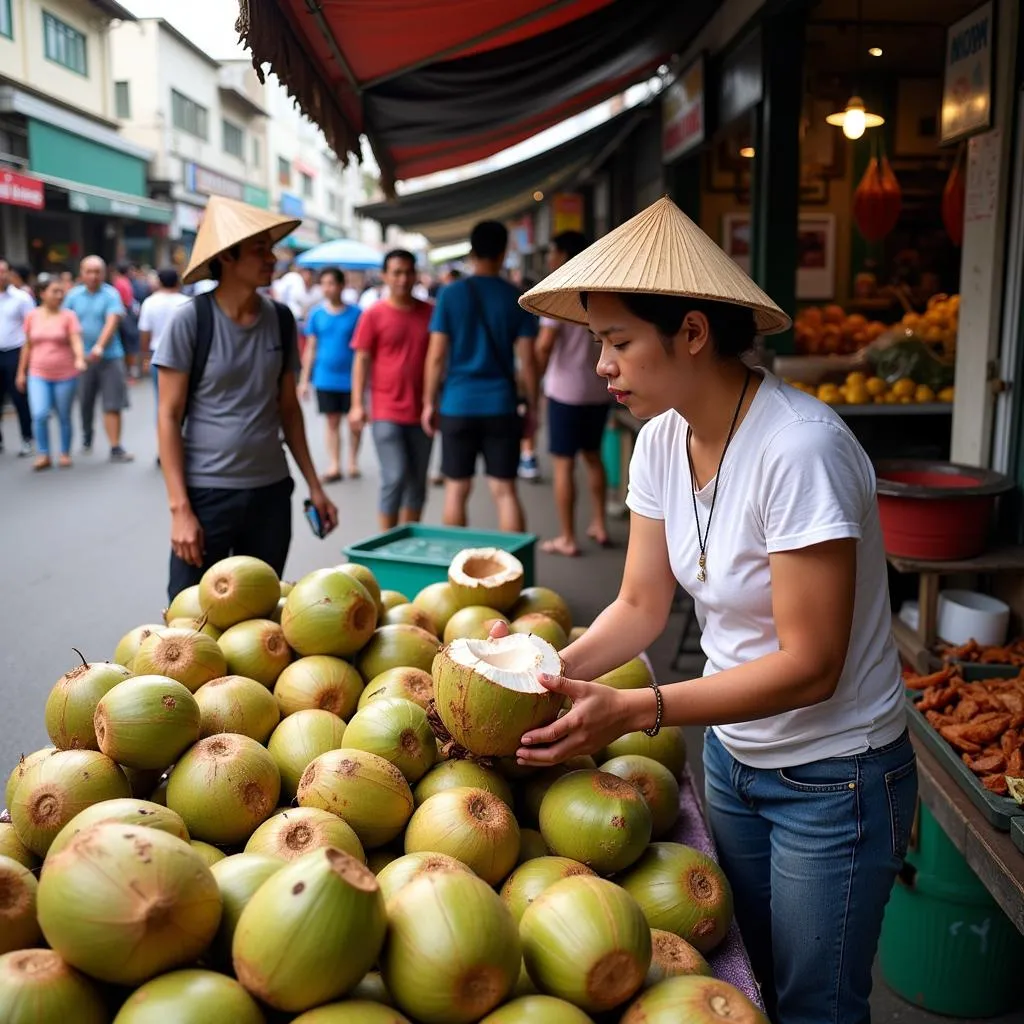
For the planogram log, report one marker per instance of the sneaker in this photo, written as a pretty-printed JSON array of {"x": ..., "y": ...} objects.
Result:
[
  {"x": 27, "y": 449},
  {"x": 118, "y": 454},
  {"x": 87, "y": 446},
  {"x": 528, "y": 467}
]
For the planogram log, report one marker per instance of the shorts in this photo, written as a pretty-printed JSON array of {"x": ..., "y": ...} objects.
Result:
[
  {"x": 575, "y": 428},
  {"x": 105, "y": 380},
  {"x": 403, "y": 451},
  {"x": 333, "y": 401},
  {"x": 497, "y": 438}
]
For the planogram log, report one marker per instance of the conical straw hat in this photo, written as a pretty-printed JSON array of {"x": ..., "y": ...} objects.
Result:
[
  {"x": 658, "y": 251},
  {"x": 226, "y": 222}
]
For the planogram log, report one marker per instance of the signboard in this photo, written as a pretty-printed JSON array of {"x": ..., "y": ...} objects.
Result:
[
  {"x": 682, "y": 113},
  {"x": 967, "y": 84},
  {"x": 21, "y": 190},
  {"x": 85, "y": 202},
  {"x": 256, "y": 196},
  {"x": 205, "y": 182},
  {"x": 566, "y": 212},
  {"x": 291, "y": 205}
]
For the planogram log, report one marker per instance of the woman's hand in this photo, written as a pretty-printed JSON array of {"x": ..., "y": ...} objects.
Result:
[{"x": 80, "y": 364}]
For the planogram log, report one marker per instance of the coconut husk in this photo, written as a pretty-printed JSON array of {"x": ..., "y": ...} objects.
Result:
[{"x": 450, "y": 750}]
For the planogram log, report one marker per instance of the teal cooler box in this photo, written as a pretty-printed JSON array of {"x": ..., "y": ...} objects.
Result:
[{"x": 408, "y": 558}]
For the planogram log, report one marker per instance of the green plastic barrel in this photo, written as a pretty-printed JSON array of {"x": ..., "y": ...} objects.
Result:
[
  {"x": 946, "y": 946},
  {"x": 610, "y": 455}
]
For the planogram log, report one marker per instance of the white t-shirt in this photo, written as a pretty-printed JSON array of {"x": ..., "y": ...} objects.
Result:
[
  {"x": 15, "y": 305},
  {"x": 794, "y": 476},
  {"x": 156, "y": 313}
]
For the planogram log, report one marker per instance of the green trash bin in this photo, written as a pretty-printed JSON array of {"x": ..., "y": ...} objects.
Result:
[{"x": 946, "y": 946}]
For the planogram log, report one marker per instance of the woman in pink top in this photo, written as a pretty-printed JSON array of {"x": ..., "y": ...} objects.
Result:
[
  {"x": 51, "y": 360},
  {"x": 577, "y": 408}
]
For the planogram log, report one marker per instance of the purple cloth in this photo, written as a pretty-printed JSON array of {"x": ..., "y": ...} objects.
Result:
[{"x": 729, "y": 961}]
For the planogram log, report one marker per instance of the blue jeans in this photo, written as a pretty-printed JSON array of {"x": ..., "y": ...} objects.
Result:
[
  {"x": 812, "y": 853},
  {"x": 403, "y": 451},
  {"x": 43, "y": 397}
]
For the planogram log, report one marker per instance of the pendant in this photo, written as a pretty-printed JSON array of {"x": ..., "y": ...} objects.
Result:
[{"x": 702, "y": 569}]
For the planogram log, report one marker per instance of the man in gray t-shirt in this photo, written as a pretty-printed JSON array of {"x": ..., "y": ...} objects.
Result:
[{"x": 225, "y": 470}]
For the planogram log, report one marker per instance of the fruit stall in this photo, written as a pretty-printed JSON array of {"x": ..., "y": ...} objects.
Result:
[{"x": 301, "y": 803}]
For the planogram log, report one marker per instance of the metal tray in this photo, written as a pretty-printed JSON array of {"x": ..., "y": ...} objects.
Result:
[
  {"x": 997, "y": 810},
  {"x": 1017, "y": 833}
]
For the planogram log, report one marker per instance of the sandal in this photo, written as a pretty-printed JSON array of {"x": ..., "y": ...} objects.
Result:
[
  {"x": 331, "y": 478},
  {"x": 43, "y": 462},
  {"x": 64, "y": 462}
]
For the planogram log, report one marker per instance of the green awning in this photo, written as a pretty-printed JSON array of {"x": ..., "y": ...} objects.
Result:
[{"x": 108, "y": 203}]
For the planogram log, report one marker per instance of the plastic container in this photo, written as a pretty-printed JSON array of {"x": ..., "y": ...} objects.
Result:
[
  {"x": 945, "y": 945},
  {"x": 965, "y": 615}
]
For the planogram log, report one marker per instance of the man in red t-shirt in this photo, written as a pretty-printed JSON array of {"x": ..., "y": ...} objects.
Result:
[{"x": 391, "y": 342}]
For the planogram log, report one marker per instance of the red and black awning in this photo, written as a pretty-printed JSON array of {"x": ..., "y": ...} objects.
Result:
[{"x": 436, "y": 84}]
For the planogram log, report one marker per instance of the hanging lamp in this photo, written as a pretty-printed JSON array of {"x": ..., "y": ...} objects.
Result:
[{"x": 856, "y": 118}]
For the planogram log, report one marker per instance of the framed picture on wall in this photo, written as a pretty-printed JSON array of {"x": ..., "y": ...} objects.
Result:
[
  {"x": 736, "y": 238},
  {"x": 816, "y": 256}
]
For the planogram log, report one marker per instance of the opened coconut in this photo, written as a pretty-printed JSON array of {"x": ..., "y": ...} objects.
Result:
[
  {"x": 407, "y": 683},
  {"x": 126, "y": 811},
  {"x": 18, "y": 926},
  {"x": 487, "y": 576},
  {"x": 36, "y": 985},
  {"x": 396, "y": 730},
  {"x": 223, "y": 787},
  {"x": 147, "y": 722},
  {"x": 294, "y": 832},
  {"x": 396, "y": 875},
  {"x": 410, "y": 615},
  {"x": 190, "y": 997},
  {"x": 693, "y": 998},
  {"x": 439, "y": 602},
  {"x": 256, "y": 649},
  {"x": 128, "y": 646},
  {"x": 529, "y": 880},
  {"x": 541, "y": 625},
  {"x": 397, "y": 647},
  {"x": 191, "y": 658},
  {"x": 672, "y": 956},
  {"x": 11, "y": 846},
  {"x": 310, "y": 932},
  {"x": 682, "y": 891},
  {"x": 657, "y": 785},
  {"x": 186, "y": 605},
  {"x": 238, "y": 588},
  {"x": 319, "y": 681},
  {"x": 545, "y": 601},
  {"x": 371, "y": 794},
  {"x": 537, "y": 1009},
  {"x": 667, "y": 748},
  {"x": 472, "y": 623},
  {"x": 586, "y": 941},
  {"x": 596, "y": 818},
  {"x": 488, "y": 694},
  {"x": 471, "y": 825},
  {"x": 328, "y": 612},
  {"x": 237, "y": 704},
  {"x": 72, "y": 703},
  {"x": 392, "y": 599},
  {"x": 634, "y": 675},
  {"x": 455, "y": 774},
  {"x": 56, "y": 787},
  {"x": 237, "y": 877},
  {"x": 124, "y": 904},
  {"x": 299, "y": 740},
  {"x": 452, "y": 952}
]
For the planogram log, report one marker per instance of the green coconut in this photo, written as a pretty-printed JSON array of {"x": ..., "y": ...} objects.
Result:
[
  {"x": 472, "y": 623},
  {"x": 353, "y": 1011},
  {"x": 310, "y": 932},
  {"x": 396, "y": 730},
  {"x": 368, "y": 580},
  {"x": 531, "y": 845},
  {"x": 371, "y": 794},
  {"x": 596, "y": 818},
  {"x": 452, "y": 954},
  {"x": 657, "y": 785},
  {"x": 319, "y": 681},
  {"x": 126, "y": 811},
  {"x": 471, "y": 825},
  {"x": 11, "y": 846},
  {"x": 24, "y": 763},
  {"x": 237, "y": 877},
  {"x": 296, "y": 831},
  {"x": 256, "y": 649},
  {"x": 18, "y": 926},
  {"x": 586, "y": 941},
  {"x": 299, "y": 740},
  {"x": 128, "y": 646},
  {"x": 190, "y": 997},
  {"x": 672, "y": 956},
  {"x": 197, "y": 626},
  {"x": 237, "y": 704},
  {"x": 186, "y": 605},
  {"x": 456, "y": 774},
  {"x": 397, "y": 647},
  {"x": 238, "y": 588},
  {"x": 486, "y": 576},
  {"x": 537, "y": 1009},
  {"x": 392, "y": 599},
  {"x": 143, "y": 781},
  {"x": 328, "y": 612},
  {"x": 189, "y": 657},
  {"x": 147, "y": 722},
  {"x": 72, "y": 703},
  {"x": 531, "y": 793},
  {"x": 406, "y": 683},
  {"x": 545, "y": 601},
  {"x": 576, "y": 632},
  {"x": 410, "y": 615},
  {"x": 396, "y": 875},
  {"x": 634, "y": 675},
  {"x": 667, "y": 748},
  {"x": 209, "y": 853},
  {"x": 38, "y": 987},
  {"x": 487, "y": 693},
  {"x": 125, "y": 904},
  {"x": 529, "y": 880},
  {"x": 57, "y": 787},
  {"x": 223, "y": 787},
  {"x": 439, "y": 602},
  {"x": 541, "y": 625},
  {"x": 682, "y": 891},
  {"x": 693, "y": 998}
]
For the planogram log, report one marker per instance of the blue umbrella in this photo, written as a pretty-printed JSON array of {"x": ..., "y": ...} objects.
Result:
[{"x": 346, "y": 253}]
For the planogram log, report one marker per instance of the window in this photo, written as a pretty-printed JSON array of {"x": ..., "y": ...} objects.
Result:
[
  {"x": 63, "y": 44},
  {"x": 332, "y": 202},
  {"x": 233, "y": 139},
  {"x": 122, "y": 100},
  {"x": 284, "y": 171},
  {"x": 189, "y": 116},
  {"x": 256, "y": 152},
  {"x": 6, "y": 24},
  {"x": 307, "y": 185}
]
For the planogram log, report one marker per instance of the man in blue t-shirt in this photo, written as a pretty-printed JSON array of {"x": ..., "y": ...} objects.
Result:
[
  {"x": 327, "y": 362},
  {"x": 478, "y": 332},
  {"x": 99, "y": 310}
]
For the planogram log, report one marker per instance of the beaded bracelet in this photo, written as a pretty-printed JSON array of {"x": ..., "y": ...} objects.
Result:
[{"x": 656, "y": 728}]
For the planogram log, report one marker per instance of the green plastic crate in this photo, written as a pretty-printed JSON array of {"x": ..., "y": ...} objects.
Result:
[{"x": 408, "y": 558}]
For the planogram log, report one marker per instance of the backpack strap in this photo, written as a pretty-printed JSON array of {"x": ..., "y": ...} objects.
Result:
[
  {"x": 288, "y": 331},
  {"x": 204, "y": 341}
]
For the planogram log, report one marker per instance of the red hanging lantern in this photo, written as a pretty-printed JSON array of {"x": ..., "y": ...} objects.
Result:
[
  {"x": 954, "y": 199},
  {"x": 877, "y": 200}
]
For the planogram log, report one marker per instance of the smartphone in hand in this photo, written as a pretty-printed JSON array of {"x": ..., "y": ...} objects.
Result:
[{"x": 313, "y": 518}]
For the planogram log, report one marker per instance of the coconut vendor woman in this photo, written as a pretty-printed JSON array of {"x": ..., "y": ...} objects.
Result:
[{"x": 760, "y": 502}]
